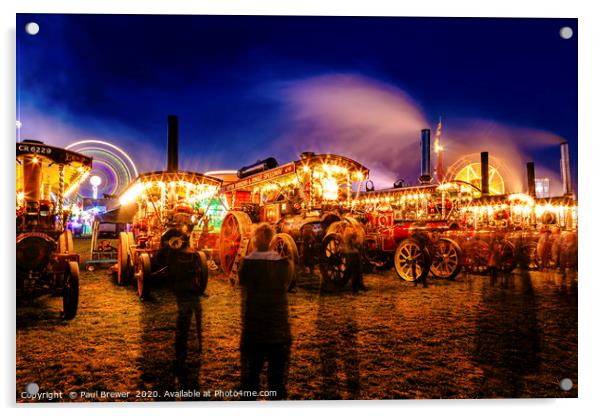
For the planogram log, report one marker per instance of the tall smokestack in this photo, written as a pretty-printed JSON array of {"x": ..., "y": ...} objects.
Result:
[
  {"x": 425, "y": 163},
  {"x": 172, "y": 143},
  {"x": 485, "y": 173},
  {"x": 531, "y": 178},
  {"x": 565, "y": 169}
]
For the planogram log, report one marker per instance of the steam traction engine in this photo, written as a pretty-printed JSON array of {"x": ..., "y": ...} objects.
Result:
[
  {"x": 307, "y": 200},
  {"x": 46, "y": 261},
  {"x": 167, "y": 206},
  {"x": 409, "y": 228}
]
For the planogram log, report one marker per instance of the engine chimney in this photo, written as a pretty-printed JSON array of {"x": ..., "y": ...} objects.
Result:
[
  {"x": 531, "y": 179},
  {"x": 485, "y": 173},
  {"x": 172, "y": 143},
  {"x": 425, "y": 162},
  {"x": 565, "y": 169}
]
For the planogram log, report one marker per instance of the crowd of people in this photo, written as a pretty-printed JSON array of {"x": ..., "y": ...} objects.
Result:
[{"x": 265, "y": 279}]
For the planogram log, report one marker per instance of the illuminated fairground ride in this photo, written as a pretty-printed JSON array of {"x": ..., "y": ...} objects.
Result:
[
  {"x": 167, "y": 206},
  {"x": 114, "y": 167},
  {"x": 47, "y": 179},
  {"x": 112, "y": 170},
  {"x": 471, "y": 173},
  {"x": 306, "y": 200}
]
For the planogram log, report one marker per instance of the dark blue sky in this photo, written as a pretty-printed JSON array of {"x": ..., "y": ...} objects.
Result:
[{"x": 117, "y": 78}]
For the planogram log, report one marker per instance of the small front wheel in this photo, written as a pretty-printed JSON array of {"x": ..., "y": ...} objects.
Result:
[
  {"x": 143, "y": 274},
  {"x": 71, "y": 290},
  {"x": 412, "y": 261},
  {"x": 447, "y": 259},
  {"x": 476, "y": 257},
  {"x": 333, "y": 266},
  {"x": 201, "y": 272},
  {"x": 123, "y": 259}
]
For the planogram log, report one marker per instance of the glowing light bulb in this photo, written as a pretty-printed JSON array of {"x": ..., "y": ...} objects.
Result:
[{"x": 95, "y": 180}]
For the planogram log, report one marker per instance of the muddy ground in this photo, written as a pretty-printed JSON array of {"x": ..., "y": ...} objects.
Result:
[{"x": 515, "y": 336}]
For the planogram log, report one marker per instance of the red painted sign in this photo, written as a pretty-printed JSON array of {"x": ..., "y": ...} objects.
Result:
[
  {"x": 261, "y": 177},
  {"x": 23, "y": 236}
]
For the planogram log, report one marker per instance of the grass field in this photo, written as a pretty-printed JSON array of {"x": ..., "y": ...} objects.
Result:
[{"x": 470, "y": 338}]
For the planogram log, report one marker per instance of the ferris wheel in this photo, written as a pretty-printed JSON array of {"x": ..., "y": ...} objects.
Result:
[
  {"x": 471, "y": 173},
  {"x": 112, "y": 168}
]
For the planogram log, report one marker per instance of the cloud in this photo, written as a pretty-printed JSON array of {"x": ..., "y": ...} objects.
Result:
[
  {"x": 509, "y": 147},
  {"x": 375, "y": 123},
  {"x": 379, "y": 125},
  {"x": 371, "y": 122},
  {"x": 58, "y": 127}
]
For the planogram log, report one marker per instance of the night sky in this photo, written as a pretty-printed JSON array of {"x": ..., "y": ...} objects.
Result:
[{"x": 250, "y": 87}]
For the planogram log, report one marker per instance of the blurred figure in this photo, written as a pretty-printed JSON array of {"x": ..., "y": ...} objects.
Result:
[
  {"x": 495, "y": 255},
  {"x": 556, "y": 246},
  {"x": 523, "y": 253},
  {"x": 548, "y": 247},
  {"x": 568, "y": 248},
  {"x": 351, "y": 251},
  {"x": 544, "y": 248},
  {"x": 186, "y": 288},
  {"x": 266, "y": 336},
  {"x": 160, "y": 370},
  {"x": 308, "y": 249}
]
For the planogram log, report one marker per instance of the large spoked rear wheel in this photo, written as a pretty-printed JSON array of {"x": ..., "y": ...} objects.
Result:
[
  {"x": 235, "y": 227},
  {"x": 71, "y": 290},
  {"x": 124, "y": 270},
  {"x": 412, "y": 262},
  {"x": 143, "y": 274},
  {"x": 284, "y": 245},
  {"x": 333, "y": 266},
  {"x": 446, "y": 259},
  {"x": 201, "y": 271}
]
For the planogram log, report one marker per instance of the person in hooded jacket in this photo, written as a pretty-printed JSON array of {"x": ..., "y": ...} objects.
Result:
[{"x": 264, "y": 278}]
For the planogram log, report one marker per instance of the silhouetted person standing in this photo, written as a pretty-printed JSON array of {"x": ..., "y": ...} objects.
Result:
[
  {"x": 352, "y": 253},
  {"x": 264, "y": 279},
  {"x": 494, "y": 260},
  {"x": 308, "y": 249},
  {"x": 184, "y": 272}
]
